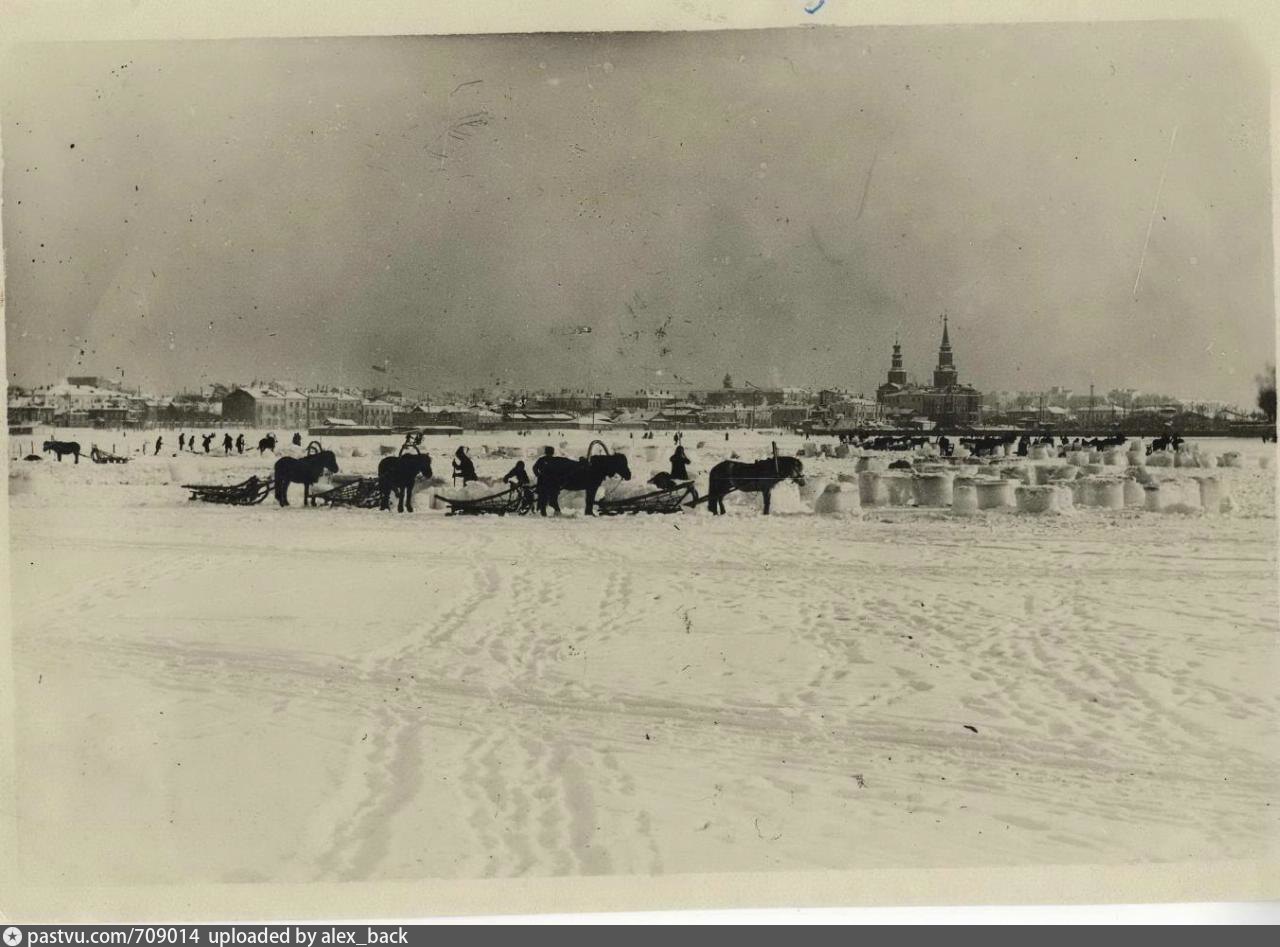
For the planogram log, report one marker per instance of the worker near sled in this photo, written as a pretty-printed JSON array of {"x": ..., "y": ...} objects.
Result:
[
  {"x": 679, "y": 464},
  {"x": 541, "y": 461},
  {"x": 517, "y": 475},
  {"x": 463, "y": 468}
]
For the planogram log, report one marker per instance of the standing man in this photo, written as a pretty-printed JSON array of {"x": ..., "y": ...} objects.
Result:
[
  {"x": 679, "y": 463},
  {"x": 541, "y": 461}
]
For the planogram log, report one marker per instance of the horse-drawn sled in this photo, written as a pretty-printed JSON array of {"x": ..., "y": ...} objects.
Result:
[
  {"x": 516, "y": 500},
  {"x": 361, "y": 492},
  {"x": 105, "y": 457},
  {"x": 667, "y": 500},
  {"x": 248, "y": 493}
]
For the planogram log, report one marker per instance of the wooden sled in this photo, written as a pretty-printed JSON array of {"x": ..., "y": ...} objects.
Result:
[
  {"x": 516, "y": 500},
  {"x": 660, "y": 501},
  {"x": 104, "y": 457},
  {"x": 248, "y": 493},
  {"x": 362, "y": 492}
]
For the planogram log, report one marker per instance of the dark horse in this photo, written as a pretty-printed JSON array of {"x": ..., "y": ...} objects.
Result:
[
  {"x": 561, "y": 473},
  {"x": 63, "y": 447},
  {"x": 398, "y": 474},
  {"x": 304, "y": 470},
  {"x": 759, "y": 477},
  {"x": 267, "y": 443}
]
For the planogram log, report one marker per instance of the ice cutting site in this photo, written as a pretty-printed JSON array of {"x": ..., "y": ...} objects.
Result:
[{"x": 1062, "y": 657}]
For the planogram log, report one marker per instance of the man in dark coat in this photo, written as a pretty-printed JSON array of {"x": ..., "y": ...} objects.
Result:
[
  {"x": 538, "y": 464},
  {"x": 463, "y": 467},
  {"x": 517, "y": 475},
  {"x": 680, "y": 464},
  {"x": 240, "y": 444},
  {"x": 227, "y": 443}
]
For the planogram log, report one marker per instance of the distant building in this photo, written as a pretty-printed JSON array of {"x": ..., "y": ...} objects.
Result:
[
  {"x": 577, "y": 401},
  {"x": 25, "y": 410},
  {"x": 645, "y": 400},
  {"x": 945, "y": 402},
  {"x": 376, "y": 413},
  {"x": 267, "y": 409},
  {"x": 748, "y": 397},
  {"x": 325, "y": 406},
  {"x": 787, "y": 415},
  {"x": 842, "y": 407}
]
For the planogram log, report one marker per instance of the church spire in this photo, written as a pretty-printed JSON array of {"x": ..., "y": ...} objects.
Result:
[{"x": 945, "y": 374}]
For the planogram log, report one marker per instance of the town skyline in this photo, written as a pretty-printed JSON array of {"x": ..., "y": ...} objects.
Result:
[{"x": 1057, "y": 395}]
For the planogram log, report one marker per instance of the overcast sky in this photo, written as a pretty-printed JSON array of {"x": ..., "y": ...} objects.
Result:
[{"x": 772, "y": 204}]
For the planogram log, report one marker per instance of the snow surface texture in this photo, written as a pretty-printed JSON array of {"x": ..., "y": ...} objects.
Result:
[{"x": 229, "y": 694}]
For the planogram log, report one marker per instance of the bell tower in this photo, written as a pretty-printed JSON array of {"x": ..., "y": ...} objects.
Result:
[
  {"x": 897, "y": 375},
  {"x": 945, "y": 375}
]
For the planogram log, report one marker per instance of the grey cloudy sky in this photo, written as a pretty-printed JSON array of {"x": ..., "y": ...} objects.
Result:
[{"x": 774, "y": 204}]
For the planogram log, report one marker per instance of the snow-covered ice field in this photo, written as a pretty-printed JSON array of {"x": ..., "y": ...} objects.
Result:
[{"x": 209, "y": 694}]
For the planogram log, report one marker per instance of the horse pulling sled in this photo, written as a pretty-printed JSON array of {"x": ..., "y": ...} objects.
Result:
[
  {"x": 669, "y": 500},
  {"x": 516, "y": 500},
  {"x": 361, "y": 492},
  {"x": 249, "y": 493},
  {"x": 104, "y": 457}
]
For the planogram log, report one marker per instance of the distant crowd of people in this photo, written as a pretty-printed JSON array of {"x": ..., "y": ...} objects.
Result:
[{"x": 187, "y": 442}]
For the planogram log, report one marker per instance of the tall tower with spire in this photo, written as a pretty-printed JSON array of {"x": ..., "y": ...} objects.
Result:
[
  {"x": 945, "y": 375},
  {"x": 897, "y": 374}
]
